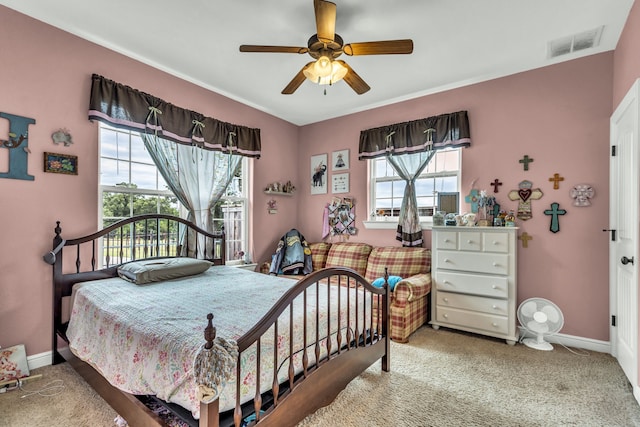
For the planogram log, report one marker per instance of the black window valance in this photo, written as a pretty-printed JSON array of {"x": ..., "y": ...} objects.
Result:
[
  {"x": 123, "y": 106},
  {"x": 432, "y": 133}
]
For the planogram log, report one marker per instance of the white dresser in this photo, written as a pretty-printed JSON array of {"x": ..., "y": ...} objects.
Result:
[{"x": 475, "y": 280}]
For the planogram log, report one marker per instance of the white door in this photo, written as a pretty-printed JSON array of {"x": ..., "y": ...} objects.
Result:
[{"x": 623, "y": 217}]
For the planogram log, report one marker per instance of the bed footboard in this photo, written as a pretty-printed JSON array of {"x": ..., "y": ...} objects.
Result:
[{"x": 330, "y": 356}]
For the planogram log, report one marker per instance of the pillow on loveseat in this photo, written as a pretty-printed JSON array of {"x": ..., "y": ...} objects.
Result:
[
  {"x": 319, "y": 253},
  {"x": 351, "y": 255},
  {"x": 399, "y": 261},
  {"x": 392, "y": 280}
]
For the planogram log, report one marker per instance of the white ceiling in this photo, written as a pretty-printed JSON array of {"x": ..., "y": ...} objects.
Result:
[{"x": 456, "y": 42}]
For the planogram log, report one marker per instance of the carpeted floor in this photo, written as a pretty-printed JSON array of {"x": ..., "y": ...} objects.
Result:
[{"x": 440, "y": 378}]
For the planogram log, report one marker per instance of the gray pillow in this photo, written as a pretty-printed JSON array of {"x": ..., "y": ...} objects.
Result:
[{"x": 156, "y": 270}]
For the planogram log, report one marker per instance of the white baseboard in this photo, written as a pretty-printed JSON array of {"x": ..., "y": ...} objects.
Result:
[
  {"x": 39, "y": 360},
  {"x": 573, "y": 341}
]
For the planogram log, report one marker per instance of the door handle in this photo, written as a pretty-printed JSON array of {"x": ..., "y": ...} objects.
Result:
[{"x": 626, "y": 260}]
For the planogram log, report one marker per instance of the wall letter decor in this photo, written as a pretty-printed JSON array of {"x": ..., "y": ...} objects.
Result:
[{"x": 18, "y": 146}]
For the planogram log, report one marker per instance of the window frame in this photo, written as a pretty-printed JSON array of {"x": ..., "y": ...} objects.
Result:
[
  {"x": 375, "y": 222},
  {"x": 243, "y": 196}
]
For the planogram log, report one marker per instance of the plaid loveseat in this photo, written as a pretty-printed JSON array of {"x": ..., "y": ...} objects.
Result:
[{"x": 410, "y": 297}]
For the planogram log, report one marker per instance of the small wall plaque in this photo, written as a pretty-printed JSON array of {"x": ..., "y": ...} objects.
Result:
[{"x": 61, "y": 163}]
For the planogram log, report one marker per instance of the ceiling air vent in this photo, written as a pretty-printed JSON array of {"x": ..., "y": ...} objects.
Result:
[{"x": 580, "y": 41}]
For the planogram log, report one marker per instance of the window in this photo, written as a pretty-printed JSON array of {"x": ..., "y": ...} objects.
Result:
[
  {"x": 442, "y": 175},
  {"x": 130, "y": 184}
]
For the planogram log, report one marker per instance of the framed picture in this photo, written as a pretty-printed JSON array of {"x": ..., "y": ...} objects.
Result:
[
  {"x": 340, "y": 183},
  {"x": 319, "y": 174},
  {"x": 61, "y": 163},
  {"x": 448, "y": 202},
  {"x": 340, "y": 160}
]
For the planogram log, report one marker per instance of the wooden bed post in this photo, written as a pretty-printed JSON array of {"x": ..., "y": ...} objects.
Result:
[
  {"x": 386, "y": 329},
  {"x": 56, "y": 357}
]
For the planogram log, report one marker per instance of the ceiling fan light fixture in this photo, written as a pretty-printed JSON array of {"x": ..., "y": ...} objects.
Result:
[{"x": 325, "y": 72}]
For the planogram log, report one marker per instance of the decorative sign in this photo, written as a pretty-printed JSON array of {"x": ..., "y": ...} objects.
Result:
[
  {"x": 496, "y": 183},
  {"x": 61, "y": 163},
  {"x": 525, "y": 194},
  {"x": 340, "y": 183},
  {"x": 340, "y": 160},
  {"x": 272, "y": 207},
  {"x": 473, "y": 198},
  {"x": 340, "y": 217},
  {"x": 18, "y": 146},
  {"x": 554, "y": 212},
  {"x": 582, "y": 194},
  {"x": 556, "y": 178},
  {"x": 525, "y": 239},
  {"x": 525, "y": 161},
  {"x": 318, "y": 174}
]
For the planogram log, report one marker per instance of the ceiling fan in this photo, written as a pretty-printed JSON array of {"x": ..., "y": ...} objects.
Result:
[{"x": 325, "y": 46}]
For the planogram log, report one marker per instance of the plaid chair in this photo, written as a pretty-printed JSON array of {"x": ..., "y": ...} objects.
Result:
[
  {"x": 409, "y": 306},
  {"x": 410, "y": 298}
]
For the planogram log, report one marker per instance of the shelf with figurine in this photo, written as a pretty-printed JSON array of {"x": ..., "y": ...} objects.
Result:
[{"x": 280, "y": 189}]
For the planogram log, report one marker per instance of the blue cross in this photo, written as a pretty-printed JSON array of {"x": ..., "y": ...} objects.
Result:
[
  {"x": 472, "y": 198},
  {"x": 554, "y": 212}
]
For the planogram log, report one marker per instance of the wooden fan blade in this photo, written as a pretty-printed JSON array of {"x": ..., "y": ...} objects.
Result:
[
  {"x": 387, "y": 47},
  {"x": 325, "y": 20},
  {"x": 354, "y": 80},
  {"x": 272, "y": 49},
  {"x": 296, "y": 82}
]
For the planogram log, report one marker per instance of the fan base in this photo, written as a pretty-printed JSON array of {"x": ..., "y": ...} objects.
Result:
[{"x": 538, "y": 345}]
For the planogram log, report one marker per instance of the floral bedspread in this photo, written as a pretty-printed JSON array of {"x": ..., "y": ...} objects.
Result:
[{"x": 144, "y": 339}]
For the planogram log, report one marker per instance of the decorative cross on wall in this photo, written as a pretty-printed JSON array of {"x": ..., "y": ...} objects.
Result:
[
  {"x": 554, "y": 212},
  {"x": 472, "y": 199},
  {"x": 525, "y": 161},
  {"x": 525, "y": 239},
  {"x": 496, "y": 183},
  {"x": 525, "y": 194},
  {"x": 556, "y": 178}
]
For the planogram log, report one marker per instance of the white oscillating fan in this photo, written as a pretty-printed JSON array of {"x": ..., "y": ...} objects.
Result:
[{"x": 541, "y": 317}]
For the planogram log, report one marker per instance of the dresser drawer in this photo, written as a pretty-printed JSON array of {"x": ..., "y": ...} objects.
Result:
[
  {"x": 470, "y": 241},
  {"x": 486, "y": 322},
  {"x": 496, "y": 242},
  {"x": 447, "y": 240},
  {"x": 473, "y": 303},
  {"x": 491, "y": 263},
  {"x": 491, "y": 286}
]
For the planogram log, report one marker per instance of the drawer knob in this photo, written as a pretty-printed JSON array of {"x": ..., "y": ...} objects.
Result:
[
  {"x": 446, "y": 316},
  {"x": 495, "y": 242},
  {"x": 495, "y": 307},
  {"x": 446, "y": 282},
  {"x": 469, "y": 241},
  {"x": 446, "y": 300},
  {"x": 447, "y": 240},
  {"x": 446, "y": 260},
  {"x": 494, "y": 286},
  {"x": 495, "y": 264},
  {"x": 494, "y": 324}
]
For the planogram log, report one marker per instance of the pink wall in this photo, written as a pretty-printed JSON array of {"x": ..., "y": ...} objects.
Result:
[
  {"x": 626, "y": 61},
  {"x": 46, "y": 76},
  {"x": 558, "y": 115}
]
